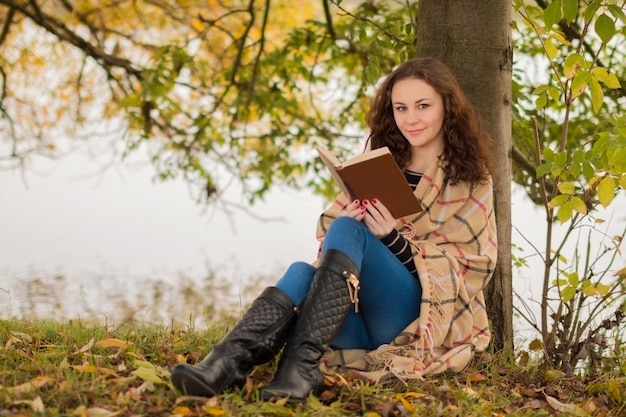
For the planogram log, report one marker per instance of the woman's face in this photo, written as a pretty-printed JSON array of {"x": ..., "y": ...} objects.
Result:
[{"x": 419, "y": 111}]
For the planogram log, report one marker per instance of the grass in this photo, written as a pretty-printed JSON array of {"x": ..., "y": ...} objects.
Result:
[{"x": 84, "y": 368}]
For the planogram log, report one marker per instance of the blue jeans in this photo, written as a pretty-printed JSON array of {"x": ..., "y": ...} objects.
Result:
[{"x": 389, "y": 298}]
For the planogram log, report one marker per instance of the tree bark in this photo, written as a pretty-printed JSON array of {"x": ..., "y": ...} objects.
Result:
[{"x": 474, "y": 39}]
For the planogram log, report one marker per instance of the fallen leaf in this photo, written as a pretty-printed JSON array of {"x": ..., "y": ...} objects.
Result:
[
  {"x": 182, "y": 411},
  {"x": 214, "y": 411},
  {"x": 86, "y": 368},
  {"x": 571, "y": 409},
  {"x": 476, "y": 377},
  {"x": 118, "y": 343},
  {"x": 470, "y": 392},
  {"x": 87, "y": 347},
  {"x": 101, "y": 412},
  {"x": 35, "y": 383},
  {"x": 36, "y": 404}
]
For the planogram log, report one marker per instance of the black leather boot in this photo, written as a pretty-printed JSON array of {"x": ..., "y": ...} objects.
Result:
[
  {"x": 333, "y": 291},
  {"x": 255, "y": 339}
]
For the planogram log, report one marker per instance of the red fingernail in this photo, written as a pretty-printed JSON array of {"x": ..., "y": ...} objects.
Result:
[
  {"x": 374, "y": 201},
  {"x": 365, "y": 202},
  {"x": 356, "y": 202}
]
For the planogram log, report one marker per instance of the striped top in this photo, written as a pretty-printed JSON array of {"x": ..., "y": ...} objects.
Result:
[{"x": 396, "y": 243}]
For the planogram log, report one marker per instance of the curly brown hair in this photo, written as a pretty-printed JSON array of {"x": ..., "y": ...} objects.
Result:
[{"x": 466, "y": 152}]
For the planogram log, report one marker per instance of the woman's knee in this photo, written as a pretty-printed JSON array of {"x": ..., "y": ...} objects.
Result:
[
  {"x": 344, "y": 224},
  {"x": 300, "y": 269}
]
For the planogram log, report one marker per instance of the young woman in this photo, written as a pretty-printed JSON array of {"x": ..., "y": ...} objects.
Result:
[{"x": 396, "y": 297}]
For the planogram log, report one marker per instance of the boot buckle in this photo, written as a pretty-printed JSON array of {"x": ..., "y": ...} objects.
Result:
[{"x": 353, "y": 289}]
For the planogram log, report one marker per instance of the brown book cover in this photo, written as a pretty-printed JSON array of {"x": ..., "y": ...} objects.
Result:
[{"x": 373, "y": 174}]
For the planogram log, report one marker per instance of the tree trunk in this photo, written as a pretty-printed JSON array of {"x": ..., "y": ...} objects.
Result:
[{"x": 474, "y": 39}]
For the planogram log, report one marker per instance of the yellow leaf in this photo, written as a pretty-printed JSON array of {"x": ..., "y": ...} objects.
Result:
[
  {"x": 197, "y": 25},
  {"x": 615, "y": 391},
  {"x": 412, "y": 394},
  {"x": 579, "y": 205},
  {"x": 182, "y": 411},
  {"x": 551, "y": 50},
  {"x": 26, "y": 387},
  {"x": 86, "y": 368},
  {"x": 566, "y": 188},
  {"x": 406, "y": 404},
  {"x": 149, "y": 372},
  {"x": 606, "y": 190},
  {"x": 476, "y": 377},
  {"x": 214, "y": 411},
  {"x": 113, "y": 343}
]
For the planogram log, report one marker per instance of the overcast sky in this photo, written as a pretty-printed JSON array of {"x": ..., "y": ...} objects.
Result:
[{"x": 66, "y": 218}]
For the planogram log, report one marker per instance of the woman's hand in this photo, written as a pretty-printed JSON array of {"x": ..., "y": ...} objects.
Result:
[
  {"x": 377, "y": 218},
  {"x": 355, "y": 210}
]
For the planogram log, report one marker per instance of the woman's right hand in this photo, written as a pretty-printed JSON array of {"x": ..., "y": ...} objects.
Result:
[{"x": 355, "y": 210}]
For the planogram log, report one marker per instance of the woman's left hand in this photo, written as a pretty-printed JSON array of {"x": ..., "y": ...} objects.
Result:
[{"x": 377, "y": 218}]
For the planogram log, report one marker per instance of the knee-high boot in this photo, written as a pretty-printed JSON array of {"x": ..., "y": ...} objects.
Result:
[
  {"x": 255, "y": 339},
  {"x": 324, "y": 311}
]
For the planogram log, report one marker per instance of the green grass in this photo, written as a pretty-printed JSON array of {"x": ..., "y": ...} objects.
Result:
[{"x": 79, "y": 368}]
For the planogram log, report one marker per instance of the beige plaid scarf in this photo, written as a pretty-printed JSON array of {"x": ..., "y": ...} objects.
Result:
[{"x": 454, "y": 247}]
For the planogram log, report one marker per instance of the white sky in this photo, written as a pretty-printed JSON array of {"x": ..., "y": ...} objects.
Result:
[{"x": 116, "y": 229}]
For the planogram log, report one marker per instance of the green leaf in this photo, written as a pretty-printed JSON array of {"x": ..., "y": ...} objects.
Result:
[
  {"x": 570, "y": 10},
  {"x": 553, "y": 13},
  {"x": 544, "y": 169},
  {"x": 556, "y": 170},
  {"x": 606, "y": 190},
  {"x": 591, "y": 10},
  {"x": 617, "y": 12},
  {"x": 578, "y": 205},
  {"x": 564, "y": 212},
  {"x": 579, "y": 156},
  {"x": 548, "y": 155},
  {"x": 555, "y": 93},
  {"x": 150, "y": 372},
  {"x": 568, "y": 293},
  {"x": 605, "y": 27},
  {"x": 603, "y": 75},
  {"x": 603, "y": 289},
  {"x": 597, "y": 95},
  {"x": 561, "y": 158},
  {"x": 590, "y": 291},
  {"x": 541, "y": 101},
  {"x": 573, "y": 63},
  {"x": 566, "y": 188},
  {"x": 573, "y": 279},
  {"x": 579, "y": 83},
  {"x": 558, "y": 200}
]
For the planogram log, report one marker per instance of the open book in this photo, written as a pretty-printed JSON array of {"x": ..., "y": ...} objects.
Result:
[{"x": 373, "y": 174}]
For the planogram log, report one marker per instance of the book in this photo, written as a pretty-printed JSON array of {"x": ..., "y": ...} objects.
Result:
[{"x": 373, "y": 174}]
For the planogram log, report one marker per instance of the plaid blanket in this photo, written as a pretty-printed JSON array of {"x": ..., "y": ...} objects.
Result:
[{"x": 454, "y": 246}]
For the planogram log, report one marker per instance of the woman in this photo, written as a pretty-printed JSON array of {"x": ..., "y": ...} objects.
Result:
[{"x": 394, "y": 296}]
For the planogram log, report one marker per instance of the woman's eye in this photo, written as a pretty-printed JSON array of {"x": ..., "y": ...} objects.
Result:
[
  {"x": 422, "y": 106},
  {"x": 400, "y": 108}
]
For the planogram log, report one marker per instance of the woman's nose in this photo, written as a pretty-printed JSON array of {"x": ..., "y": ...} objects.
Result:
[{"x": 413, "y": 117}]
